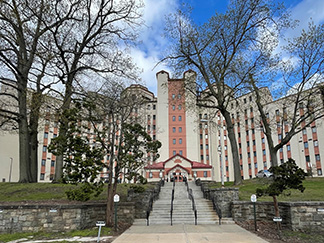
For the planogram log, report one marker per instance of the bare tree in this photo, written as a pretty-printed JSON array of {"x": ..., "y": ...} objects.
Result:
[
  {"x": 217, "y": 51},
  {"x": 23, "y": 27},
  {"x": 91, "y": 44},
  {"x": 301, "y": 78}
]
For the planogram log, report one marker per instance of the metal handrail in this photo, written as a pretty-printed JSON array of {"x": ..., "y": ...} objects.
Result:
[
  {"x": 172, "y": 199},
  {"x": 191, "y": 197},
  {"x": 153, "y": 197}
]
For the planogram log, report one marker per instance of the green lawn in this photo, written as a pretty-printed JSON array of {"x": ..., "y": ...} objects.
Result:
[
  {"x": 13, "y": 192},
  {"x": 313, "y": 192}
]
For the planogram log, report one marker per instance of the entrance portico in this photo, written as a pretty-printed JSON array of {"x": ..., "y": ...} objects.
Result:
[{"x": 178, "y": 168}]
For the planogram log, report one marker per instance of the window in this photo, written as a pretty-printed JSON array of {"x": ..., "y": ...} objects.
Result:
[
  {"x": 279, "y": 136},
  {"x": 148, "y": 117},
  {"x": 240, "y": 156},
  {"x": 225, "y": 147},
  {"x": 173, "y": 96},
  {"x": 248, "y": 143},
  {"x": 150, "y": 174},
  {"x": 201, "y": 136},
  {"x": 179, "y": 96},
  {"x": 250, "y": 166},
  {"x": 247, "y": 132},
  {"x": 250, "y": 98},
  {"x": 277, "y": 112},
  {"x": 254, "y": 153},
  {"x": 154, "y": 107},
  {"x": 244, "y": 100},
  {"x": 149, "y": 107},
  {"x": 253, "y": 142},
  {"x": 264, "y": 152},
  {"x": 226, "y": 158},
  {"x": 180, "y": 152},
  {"x": 154, "y": 127},
  {"x": 180, "y": 118},
  {"x": 201, "y": 146},
  {"x": 305, "y": 145},
  {"x": 249, "y": 155},
  {"x": 180, "y": 140},
  {"x": 205, "y": 173},
  {"x": 173, "y": 107},
  {"x": 44, "y": 148},
  {"x": 267, "y": 115},
  {"x": 304, "y": 131},
  {"x": 263, "y": 140},
  {"x": 174, "y": 141},
  {"x": 173, "y": 129},
  {"x": 52, "y": 163},
  {"x": 265, "y": 164},
  {"x": 315, "y": 143},
  {"x": 154, "y": 137},
  {"x": 313, "y": 129},
  {"x": 319, "y": 172},
  {"x": 307, "y": 158},
  {"x": 42, "y": 176},
  {"x": 46, "y": 135},
  {"x": 179, "y": 107},
  {"x": 173, "y": 118},
  {"x": 288, "y": 147},
  {"x": 256, "y": 166},
  {"x": 43, "y": 162},
  {"x": 206, "y": 146},
  {"x": 148, "y": 127},
  {"x": 207, "y": 157},
  {"x": 317, "y": 157},
  {"x": 180, "y": 129},
  {"x": 154, "y": 117},
  {"x": 251, "y": 109},
  {"x": 240, "y": 145},
  {"x": 174, "y": 152},
  {"x": 201, "y": 157}
]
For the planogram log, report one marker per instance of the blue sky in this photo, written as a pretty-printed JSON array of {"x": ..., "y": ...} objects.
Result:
[{"x": 148, "y": 53}]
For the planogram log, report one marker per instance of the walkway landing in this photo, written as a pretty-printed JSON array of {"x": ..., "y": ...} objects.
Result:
[{"x": 187, "y": 234}]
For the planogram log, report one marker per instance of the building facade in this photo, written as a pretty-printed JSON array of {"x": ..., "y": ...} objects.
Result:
[{"x": 194, "y": 140}]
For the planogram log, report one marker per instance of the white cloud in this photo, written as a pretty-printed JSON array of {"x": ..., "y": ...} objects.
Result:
[{"x": 149, "y": 52}]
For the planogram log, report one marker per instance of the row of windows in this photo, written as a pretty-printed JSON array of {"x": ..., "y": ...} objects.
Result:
[
  {"x": 175, "y": 152},
  {"x": 175, "y": 140},
  {"x": 149, "y": 127},
  {"x": 173, "y": 96},
  {"x": 179, "y": 107},
  {"x": 44, "y": 162},
  {"x": 149, "y": 117},
  {"x": 174, "y": 129},
  {"x": 174, "y": 118}
]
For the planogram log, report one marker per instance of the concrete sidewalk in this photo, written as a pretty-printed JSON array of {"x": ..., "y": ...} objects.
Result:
[{"x": 187, "y": 234}]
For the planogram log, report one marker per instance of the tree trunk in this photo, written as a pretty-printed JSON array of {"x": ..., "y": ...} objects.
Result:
[
  {"x": 110, "y": 206},
  {"x": 33, "y": 135},
  {"x": 63, "y": 129},
  {"x": 24, "y": 159},
  {"x": 273, "y": 156},
  {"x": 232, "y": 138}
]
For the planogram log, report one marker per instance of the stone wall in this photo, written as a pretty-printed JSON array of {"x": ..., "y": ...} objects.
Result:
[
  {"x": 295, "y": 215},
  {"x": 223, "y": 197},
  {"x": 58, "y": 218}
]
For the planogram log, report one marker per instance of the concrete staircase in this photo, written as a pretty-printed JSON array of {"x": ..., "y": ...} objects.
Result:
[{"x": 182, "y": 207}]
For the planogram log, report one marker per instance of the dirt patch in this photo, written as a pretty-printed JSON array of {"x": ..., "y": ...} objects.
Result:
[{"x": 269, "y": 231}]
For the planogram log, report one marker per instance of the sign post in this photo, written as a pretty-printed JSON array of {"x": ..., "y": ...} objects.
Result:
[
  {"x": 100, "y": 223},
  {"x": 253, "y": 200},
  {"x": 116, "y": 200}
]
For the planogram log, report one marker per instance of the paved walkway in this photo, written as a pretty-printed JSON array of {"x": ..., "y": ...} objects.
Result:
[{"x": 187, "y": 234}]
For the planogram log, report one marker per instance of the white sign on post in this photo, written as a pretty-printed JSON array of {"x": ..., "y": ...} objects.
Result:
[
  {"x": 253, "y": 198},
  {"x": 116, "y": 198}
]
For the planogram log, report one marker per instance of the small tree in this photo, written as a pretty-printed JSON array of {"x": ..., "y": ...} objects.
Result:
[
  {"x": 286, "y": 176},
  {"x": 82, "y": 162}
]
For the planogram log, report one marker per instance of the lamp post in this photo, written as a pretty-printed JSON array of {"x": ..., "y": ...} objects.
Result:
[
  {"x": 220, "y": 157},
  {"x": 11, "y": 159}
]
